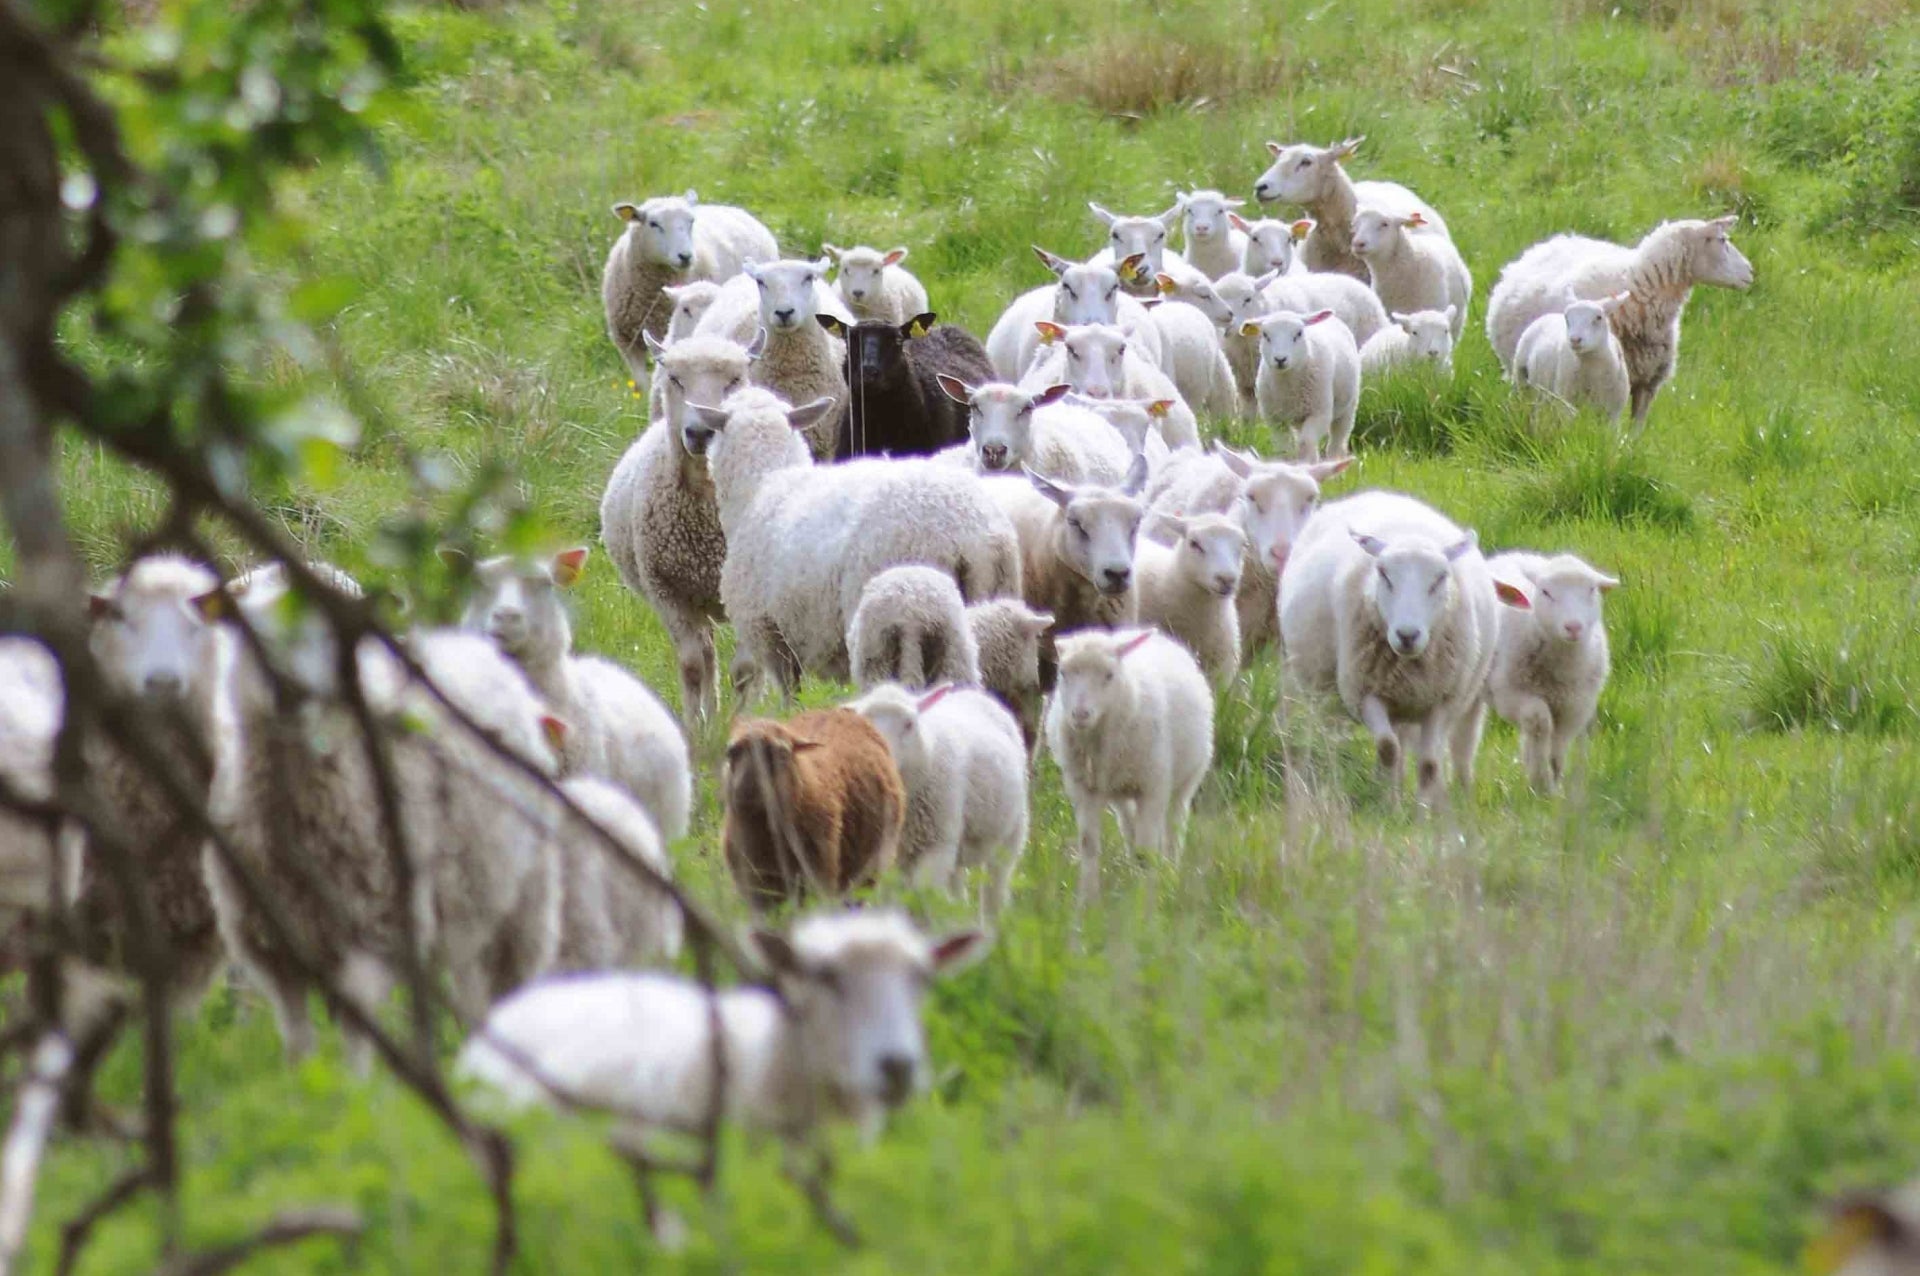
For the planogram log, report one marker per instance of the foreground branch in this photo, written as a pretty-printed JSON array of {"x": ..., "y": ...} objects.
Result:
[{"x": 284, "y": 1229}]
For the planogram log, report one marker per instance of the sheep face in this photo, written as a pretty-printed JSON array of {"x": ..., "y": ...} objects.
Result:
[
  {"x": 1276, "y": 503},
  {"x": 1715, "y": 260},
  {"x": 295, "y": 635},
  {"x": 1283, "y": 340},
  {"x": 1211, "y": 551},
  {"x": 861, "y": 269},
  {"x": 1086, "y": 294},
  {"x": 1100, "y": 528},
  {"x": 1198, "y": 293},
  {"x": 1302, "y": 174},
  {"x": 1000, "y": 423},
  {"x": 1430, "y": 335},
  {"x": 1587, "y": 330},
  {"x": 517, "y": 603},
  {"x": 1241, "y": 296},
  {"x": 758, "y": 773},
  {"x": 148, "y": 636},
  {"x": 690, "y": 301},
  {"x": 1566, "y": 598},
  {"x": 664, "y": 227},
  {"x": 788, "y": 296},
  {"x": 1206, "y": 214},
  {"x": 1375, "y": 232},
  {"x": 1411, "y": 588},
  {"x": 699, "y": 370},
  {"x": 1144, "y": 235},
  {"x": 1096, "y": 360},
  {"x": 1270, "y": 246},
  {"x": 1091, "y": 682},
  {"x": 895, "y": 713},
  {"x": 877, "y": 350}
]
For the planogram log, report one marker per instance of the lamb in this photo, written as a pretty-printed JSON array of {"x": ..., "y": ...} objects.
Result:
[
  {"x": 894, "y": 373},
  {"x": 1197, "y": 291},
  {"x": 671, "y": 240},
  {"x": 799, "y": 360},
  {"x": 1551, "y": 662},
  {"x": 1098, "y": 361},
  {"x": 1312, "y": 177},
  {"x": 1574, "y": 356},
  {"x": 1388, "y": 604},
  {"x": 690, "y": 303},
  {"x": 1145, "y": 237},
  {"x": 1659, "y": 275},
  {"x": 1138, "y": 423},
  {"x": 659, "y": 521},
  {"x": 837, "y": 1036},
  {"x": 874, "y": 285},
  {"x": 911, "y": 628},
  {"x": 1273, "y": 245},
  {"x": 813, "y": 806},
  {"x": 1131, "y": 725},
  {"x": 803, "y": 541},
  {"x": 617, "y": 729},
  {"x": 1084, "y": 294},
  {"x": 1008, "y": 635},
  {"x": 1422, "y": 339},
  {"x": 1248, "y": 299},
  {"x": 1190, "y": 341},
  {"x": 609, "y": 916},
  {"x": 964, "y": 765},
  {"x": 1411, "y": 271},
  {"x": 1309, "y": 380},
  {"x": 1009, "y": 427},
  {"x": 1214, "y": 244},
  {"x": 1076, "y": 546},
  {"x": 1187, "y": 589}
]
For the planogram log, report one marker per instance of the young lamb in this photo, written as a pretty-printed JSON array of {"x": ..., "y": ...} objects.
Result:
[
  {"x": 838, "y": 1036},
  {"x": 1144, "y": 237},
  {"x": 1008, "y": 634},
  {"x": 671, "y": 240},
  {"x": 1191, "y": 341},
  {"x": 911, "y": 628},
  {"x": 1076, "y": 546},
  {"x": 874, "y": 285},
  {"x": 1422, "y": 339},
  {"x": 1138, "y": 423},
  {"x": 1312, "y": 177},
  {"x": 1131, "y": 725},
  {"x": 814, "y": 805},
  {"x": 1248, "y": 299},
  {"x": 1389, "y": 605},
  {"x": 964, "y": 764},
  {"x": 894, "y": 372},
  {"x": 609, "y": 916},
  {"x": 1187, "y": 589},
  {"x": 1214, "y": 244},
  {"x": 1309, "y": 380},
  {"x": 1098, "y": 361},
  {"x": 659, "y": 521},
  {"x": 799, "y": 360},
  {"x": 1411, "y": 271},
  {"x": 804, "y": 540},
  {"x": 1574, "y": 356},
  {"x": 1084, "y": 294},
  {"x": 1659, "y": 273},
  {"x": 1272, "y": 245},
  {"x": 1197, "y": 291},
  {"x": 690, "y": 303},
  {"x": 1552, "y": 661},
  {"x": 1009, "y": 427},
  {"x": 617, "y": 729}
]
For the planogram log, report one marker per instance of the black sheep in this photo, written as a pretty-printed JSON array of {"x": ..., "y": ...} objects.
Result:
[{"x": 894, "y": 402}]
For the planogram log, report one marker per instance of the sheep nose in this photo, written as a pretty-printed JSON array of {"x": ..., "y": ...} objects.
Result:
[
  {"x": 1098, "y": 392},
  {"x": 994, "y": 454},
  {"x": 1406, "y": 638},
  {"x": 785, "y": 317},
  {"x": 859, "y": 294},
  {"x": 684, "y": 260},
  {"x": 1574, "y": 629},
  {"x": 896, "y": 1077},
  {"x": 1280, "y": 361},
  {"x": 164, "y": 686},
  {"x": 1262, "y": 191},
  {"x": 1224, "y": 584},
  {"x": 1116, "y": 578}
]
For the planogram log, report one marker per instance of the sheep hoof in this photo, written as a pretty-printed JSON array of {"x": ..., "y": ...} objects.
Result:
[{"x": 1387, "y": 750}]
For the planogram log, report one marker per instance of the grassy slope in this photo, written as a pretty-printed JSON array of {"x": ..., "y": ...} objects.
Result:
[{"x": 1644, "y": 1029}]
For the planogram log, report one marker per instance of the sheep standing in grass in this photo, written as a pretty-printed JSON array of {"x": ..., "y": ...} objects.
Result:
[
  {"x": 799, "y": 359},
  {"x": 911, "y": 628},
  {"x": 1009, "y": 427},
  {"x": 1187, "y": 589},
  {"x": 875, "y": 286},
  {"x": 894, "y": 372},
  {"x": 1409, "y": 270},
  {"x": 1084, "y": 294},
  {"x": 1142, "y": 241},
  {"x": 1552, "y": 660},
  {"x": 1422, "y": 339},
  {"x": 1008, "y": 635},
  {"x": 1309, "y": 379},
  {"x": 1099, "y": 361},
  {"x": 1659, "y": 273},
  {"x": 1248, "y": 299},
  {"x": 1312, "y": 177},
  {"x": 964, "y": 764},
  {"x": 1131, "y": 725},
  {"x": 1272, "y": 245},
  {"x": 1190, "y": 340},
  {"x": 1214, "y": 244},
  {"x": 671, "y": 240},
  {"x": 1076, "y": 546},
  {"x": 1574, "y": 356},
  {"x": 609, "y": 915},
  {"x": 813, "y": 806},
  {"x": 616, "y": 728}
]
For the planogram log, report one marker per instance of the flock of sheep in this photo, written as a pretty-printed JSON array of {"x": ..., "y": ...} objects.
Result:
[{"x": 1000, "y": 545}]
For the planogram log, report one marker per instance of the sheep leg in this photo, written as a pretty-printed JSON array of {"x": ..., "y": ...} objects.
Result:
[
  {"x": 693, "y": 646},
  {"x": 1149, "y": 825},
  {"x": 999, "y": 889},
  {"x": 1088, "y": 812},
  {"x": 1386, "y": 744},
  {"x": 1430, "y": 780},
  {"x": 1177, "y": 813},
  {"x": 1535, "y": 720},
  {"x": 1565, "y": 731},
  {"x": 938, "y": 867},
  {"x": 1467, "y": 729}
]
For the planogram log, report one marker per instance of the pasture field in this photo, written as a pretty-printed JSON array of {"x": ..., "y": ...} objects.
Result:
[{"x": 1648, "y": 1027}]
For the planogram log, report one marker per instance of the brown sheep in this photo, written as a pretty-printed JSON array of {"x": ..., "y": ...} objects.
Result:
[{"x": 813, "y": 804}]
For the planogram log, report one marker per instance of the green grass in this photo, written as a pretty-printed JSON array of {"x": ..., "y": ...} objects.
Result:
[{"x": 1648, "y": 1027}]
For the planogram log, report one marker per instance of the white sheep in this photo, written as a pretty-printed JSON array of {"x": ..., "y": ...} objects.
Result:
[
  {"x": 1144, "y": 238},
  {"x": 1247, "y": 299},
  {"x": 671, "y": 240},
  {"x": 1131, "y": 725},
  {"x": 1197, "y": 291},
  {"x": 1574, "y": 356},
  {"x": 690, "y": 303},
  {"x": 1409, "y": 270},
  {"x": 1552, "y": 659},
  {"x": 1309, "y": 379},
  {"x": 964, "y": 764},
  {"x": 1273, "y": 245},
  {"x": 1007, "y": 634},
  {"x": 1138, "y": 423},
  {"x": 1076, "y": 546},
  {"x": 1099, "y": 361},
  {"x": 911, "y": 628},
  {"x": 1659, "y": 273},
  {"x": 1187, "y": 589},
  {"x": 37, "y": 871},
  {"x": 1422, "y": 339},
  {"x": 1083, "y": 294},
  {"x": 874, "y": 285},
  {"x": 617, "y": 728},
  {"x": 1214, "y": 244},
  {"x": 610, "y": 916},
  {"x": 1388, "y": 604},
  {"x": 799, "y": 360},
  {"x": 837, "y": 1036},
  {"x": 1190, "y": 342},
  {"x": 1312, "y": 177},
  {"x": 1009, "y": 427}
]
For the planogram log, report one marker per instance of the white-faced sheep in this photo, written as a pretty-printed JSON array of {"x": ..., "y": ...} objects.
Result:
[
  {"x": 1076, "y": 546},
  {"x": 1197, "y": 291},
  {"x": 1552, "y": 660},
  {"x": 1190, "y": 342},
  {"x": 1099, "y": 361},
  {"x": 1309, "y": 379},
  {"x": 611, "y": 916},
  {"x": 1248, "y": 299},
  {"x": 1410, "y": 270},
  {"x": 1131, "y": 725},
  {"x": 1141, "y": 238},
  {"x": 1009, "y": 427},
  {"x": 1138, "y": 423},
  {"x": 1312, "y": 177},
  {"x": 690, "y": 303},
  {"x": 1008, "y": 635},
  {"x": 1187, "y": 589},
  {"x": 1660, "y": 273},
  {"x": 875, "y": 286},
  {"x": 911, "y": 628},
  {"x": 1084, "y": 294},
  {"x": 1574, "y": 356},
  {"x": 799, "y": 359},
  {"x": 1422, "y": 339},
  {"x": 895, "y": 405},
  {"x": 1273, "y": 245},
  {"x": 1214, "y": 244},
  {"x": 671, "y": 240}
]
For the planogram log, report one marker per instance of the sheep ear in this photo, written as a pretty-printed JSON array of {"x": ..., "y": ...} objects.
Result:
[
  {"x": 1052, "y": 261},
  {"x": 1172, "y": 215},
  {"x": 1616, "y": 301},
  {"x": 807, "y": 413},
  {"x": 758, "y": 346},
  {"x": 959, "y": 950},
  {"x": 1414, "y": 220},
  {"x": 1301, "y": 229},
  {"x": 1236, "y": 221},
  {"x": 568, "y": 565},
  {"x": 954, "y": 388},
  {"x": 933, "y": 697},
  {"x": 1037, "y": 623},
  {"x": 832, "y": 323},
  {"x": 1160, "y": 408},
  {"x": 1372, "y": 544},
  {"x": 627, "y": 212},
  {"x": 1512, "y": 595},
  {"x": 1348, "y": 147},
  {"x": 1604, "y": 583},
  {"x": 1404, "y": 321},
  {"x": 821, "y": 265},
  {"x": 454, "y": 557},
  {"x": 99, "y": 606},
  {"x": 1130, "y": 267},
  {"x": 1170, "y": 520},
  {"x": 1165, "y": 282},
  {"x": 894, "y": 257},
  {"x": 655, "y": 346},
  {"x": 1148, "y": 303},
  {"x": 1324, "y": 470},
  {"x": 1318, "y": 316},
  {"x": 1136, "y": 476},
  {"x": 831, "y": 250},
  {"x": 1234, "y": 203},
  {"x": 919, "y": 325},
  {"x": 1451, "y": 311},
  {"x": 806, "y": 746},
  {"x": 1251, "y": 328},
  {"x": 1725, "y": 223},
  {"x": 1049, "y": 331},
  {"x": 555, "y": 729},
  {"x": 1102, "y": 213},
  {"x": 776, "y": 951},
  {"x": 1052, "y": 394},
  {"x": 1133, "y": 644},
  {"x": 1460, "y": 548},
  {"x": 1265, "y": 281},
  {"x": 1059, "y": 494},
  {"x": 1274, "y": 149},
  {"x": 692, "y": 196},
  {"x": 753, "y": 269},
  {"x": 214, "y": 606},
  {"x": 1235, "y": 462}
]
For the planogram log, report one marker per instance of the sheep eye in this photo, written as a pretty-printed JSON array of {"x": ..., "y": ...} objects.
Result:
[
  {"x": 1544, "y": 594},
  {"x": 652, "y": 225},
  {"x": 1384, "y": 578},
  {"x": 1194, "y": 546},
  {"x": 1437, "y": 582},
  {"x": 1303, "y": 163},
  {"x": 674, "y": 382},
  {"x": 1115, "y": 237},
  {"x": 733, "y": 385},
  {"x": 1111, "y": 291},
  {"x": 1072, "y": 353},
  {"x": 1070, "y": 292}
]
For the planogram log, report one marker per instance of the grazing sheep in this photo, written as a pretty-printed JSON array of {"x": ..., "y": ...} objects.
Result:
[
  {"x": 1552, "y": 660},
  {"x": 1076, "y": 546},
  {"x": 813, "y": 806},
  {"x": 1084, "y": 294},
  {"x": 1309, "y": 380},
  {"x": 1191, "y": 341},
  {"x": 964, "y": 764},
  {"x": 659, "y": 521},
  {"x": 1187, "y": 589},
  {"x": 609, "y": 916},
  {"x": 804, "y": 540},
  {"x": 1659, "y": 273},
  {"x": 1008, "y": 634},
  {"x": 1009, "y": 427},
  {"x": 1099, "y": 361},
  {"x": 894, "y": 373},
  {"x": 799, "y": 359},
  {"x": 1312, "y": 177},
  {"x": 671, "y": 240},
  {"x": 1574, "y": 356},
  {"x": 911, "y": 628},
  {"x": 874, "y": 285},
  {"x": 1142, "y": 237},
  {"x": 1272, "y": 245},
  {"x": 617, "y": 729},
  {"x": 1388, "y": 604},
  {"x": 1214, "y": 244},
  {"x": 1131, "y": 725},
  {"x": 838, "y": 1036},
  {"x": 1409, "y": 270},
  {"x": 1422, "y": 339}
]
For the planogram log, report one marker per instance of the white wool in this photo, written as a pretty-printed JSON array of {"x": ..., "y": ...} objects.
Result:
[
  {"x": 1201, "y": 373},
  {"x": 911, "y": 628},
  {"x": 798, "y": 359},
  {"x": 1076, "y": 545},
  {"x": 1411, "y": 270},
  {"x": 1352, "y": 301},
  {"x": 1083, "y": 294},
  {"x": 1309, "y": 379},
  {"x": 1574, "y": 356},
  {"x": 671, "y": 240},
  {"x": 874, "y": 285},
  {"x": 1008, "y": 634},
  {"x": 1312, "y": 177},
  {"x": 1009, "y": 427},
  {"x": 1187, "y": 589},
  {"x": 609, "y": 915},
  {"x": 1214, "y": 244},
  {"x": 1422, "y": 339},
  {"x": 1099, "y": 361},
  {"x": 1552, "y": 660},
  {"x": 32, "y": 708}
]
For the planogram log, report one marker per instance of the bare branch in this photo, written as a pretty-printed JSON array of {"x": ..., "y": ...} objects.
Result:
[{"x": 284, "y": 1229}]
